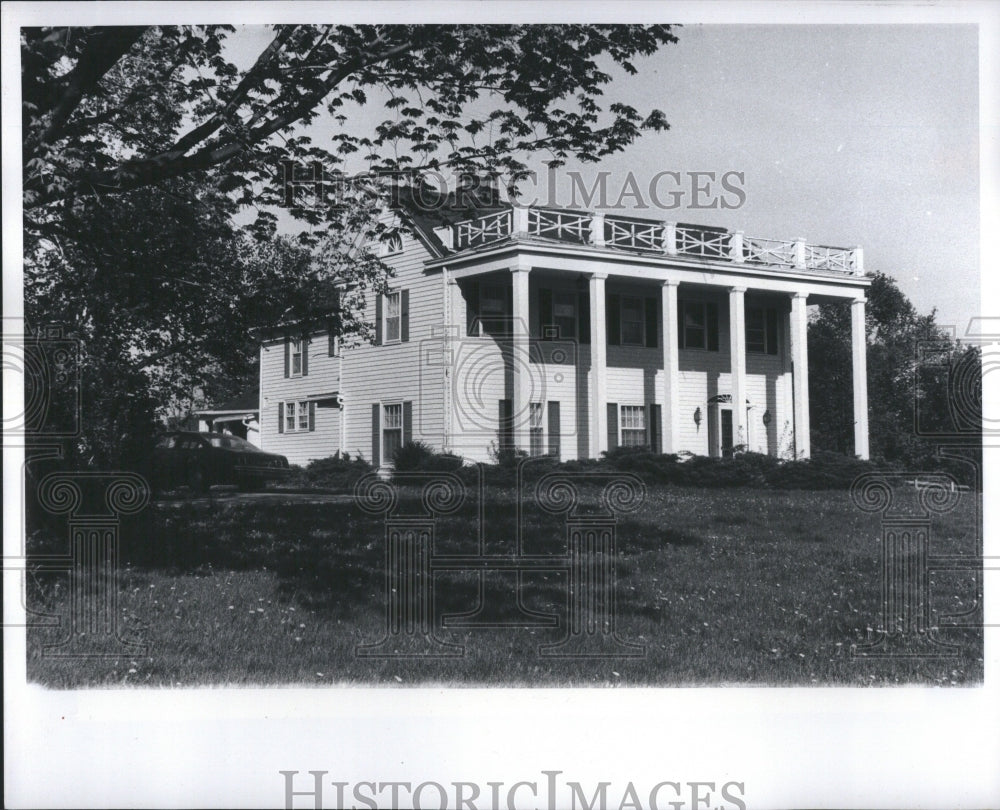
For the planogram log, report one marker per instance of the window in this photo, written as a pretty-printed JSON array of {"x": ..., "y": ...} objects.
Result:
[
  {"x": 633, "y": 322},
  {"x": 492, "y": 300},
  {"x": 392, "y": 431},
  {"x": 535, "y": 428},
  {"x": 633, "y": 426},
  {"x": 564, "y": 313},
  {"x": 295, "y": 350},
  {"x": 694, "y": 325},
  {"x": 394, "y": 244},
  {"x": 762, "y": 330},
  {"x": 392, "y": 317},
  {"x": 296, "y": 416}
]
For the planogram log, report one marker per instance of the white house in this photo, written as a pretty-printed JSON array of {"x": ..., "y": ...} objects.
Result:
[{"x": 568, "y": 332}]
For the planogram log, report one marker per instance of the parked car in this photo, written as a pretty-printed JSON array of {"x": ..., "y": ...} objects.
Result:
[{"x": 200, "y": 460}]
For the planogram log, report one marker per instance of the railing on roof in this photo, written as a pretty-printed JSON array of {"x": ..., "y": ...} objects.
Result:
[{"x": 650, "y": 237}]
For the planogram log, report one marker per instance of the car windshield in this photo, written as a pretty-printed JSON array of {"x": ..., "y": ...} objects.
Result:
[{"x": 232, "y": 443}]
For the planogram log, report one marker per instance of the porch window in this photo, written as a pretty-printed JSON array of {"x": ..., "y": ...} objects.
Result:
[
  {"x": 762, "y": 330},
  {"x": 699, "y": 325},
  {"x": 564, "y": 313},
  {"x": 392, "y": 431},
  {"x": 535, "y": 427},
  {"x": 392, "y": 317},
  {"x": 633, "y": 426},
  {"x": 633, "y": 321}
]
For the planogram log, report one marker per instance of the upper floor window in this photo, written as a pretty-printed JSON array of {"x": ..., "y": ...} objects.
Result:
[
  {"x": 564, "y": 313},
  {"x": 295, "y": 354},
  {"x": 633, "y": 321},
  {"x": 699, "y": 325},
  {"x": 392, "y": 316},
  {"x": 393, "y": 244},
  {"x": 762, "y": 330}
]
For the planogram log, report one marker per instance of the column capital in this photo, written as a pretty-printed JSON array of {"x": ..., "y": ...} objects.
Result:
[
  {"x": 669, "y": 282},
  {"x": 599, "y": 274},
  {"x": 859, "y": 300},
  {"x": 737, "y": 289},
  {"x": 520, "y": 268},
  {"x": 798, "y": 295}
]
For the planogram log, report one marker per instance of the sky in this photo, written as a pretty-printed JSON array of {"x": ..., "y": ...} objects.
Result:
[{"x": 845, "y": 134}]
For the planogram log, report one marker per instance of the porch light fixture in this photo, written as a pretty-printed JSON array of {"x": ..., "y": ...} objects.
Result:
[
  {"x": 697, "y": 418},
  {"x": 767, "y": 417}
]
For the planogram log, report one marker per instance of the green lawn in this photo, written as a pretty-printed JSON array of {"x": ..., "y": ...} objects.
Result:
[{"x": 729, "y": 586}]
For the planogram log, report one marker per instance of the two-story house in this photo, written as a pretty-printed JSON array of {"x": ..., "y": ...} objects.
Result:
[{"x": 570, "y": 333}]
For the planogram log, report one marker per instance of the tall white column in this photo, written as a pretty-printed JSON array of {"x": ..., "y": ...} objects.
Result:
[
  {"x": 859, "y": 365},
  {"x": 670, "y": 427},
  {"x": 738, "y": 364},
  {"x": 800, "y": 374},
  {"x": 598, "y": 367},
  {"x": 520, "y": 359}
]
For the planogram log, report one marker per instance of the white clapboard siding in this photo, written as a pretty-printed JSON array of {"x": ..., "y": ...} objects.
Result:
[{"x": 411, "y": 371}]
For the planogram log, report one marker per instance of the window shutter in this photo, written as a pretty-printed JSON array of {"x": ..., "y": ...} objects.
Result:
[
  {"x": 772, "y": 330},
  {"x": 312, "y": 416},
  {"x": 407, "y": 422},
  {"x": 506, "y": 424},
  {"x": 376, "y": 427},
  {"x": 378, "y": 319},
  {"x": 584, "y": 319},
  {"x": 712, "y": 325},
  {"x": 404, "y": 316},
  {"x": 472, "y": 309},
  {"x": 545, "y": 320},
  {"x": 333, "y": 326},
  {"x": 506, "y": 325},
  {"x": 612, "y": 425},
  {"x": 614, "y": 320},
  {"x": 653, "y": 416},
  {"x": 288, "y": 358},
  {"x": 680, "y": 324},
  {"x": 555, "y": 427},
  {"x": 305, "y": 355},
  {"x": 281, "y": 417},
  {"x": 651, "y": 325}
]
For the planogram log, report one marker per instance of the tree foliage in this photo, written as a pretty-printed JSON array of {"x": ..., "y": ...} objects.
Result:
[{"x": 911, "y": 361}]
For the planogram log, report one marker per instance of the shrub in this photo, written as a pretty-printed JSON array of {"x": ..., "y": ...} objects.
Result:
[
  {"x": 825, "y": 470},
  {"x": 421, "y": 457},
  {"x": 339, "y": 472}
]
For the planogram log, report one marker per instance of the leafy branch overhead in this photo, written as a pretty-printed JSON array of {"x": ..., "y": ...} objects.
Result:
[{"x": 109, "y": 110}]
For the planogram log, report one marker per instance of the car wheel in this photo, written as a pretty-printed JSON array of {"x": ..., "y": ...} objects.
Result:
[{"x": 198, "y": 481}]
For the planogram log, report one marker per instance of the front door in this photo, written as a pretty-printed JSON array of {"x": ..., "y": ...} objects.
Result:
[{"x": 726, "y": 432}]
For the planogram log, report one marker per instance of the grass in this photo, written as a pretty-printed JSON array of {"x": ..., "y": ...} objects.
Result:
[{"x": 735, "y": 586}]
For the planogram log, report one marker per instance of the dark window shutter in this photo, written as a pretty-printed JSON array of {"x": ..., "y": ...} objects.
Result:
[
  {"x": 506, "y": 424},
  {"x": 378, "y": 320},
  {"x": 281, "y": 417},
  {"x": 584, "y": 319},
  {"x": 331, "y": 337},
  {"x": 712, "y": 324},
  {"x": 772, "y": 330},
  {"x": 554, "y": 430},
  {"x": 288, "y": 355},
  {"x": 506, "y": 325},
  {"x": 407, "y": 422},
  {"x": 404, "y": 316},
  {"x": 545, "y": 320},
  {"x": 651, "y": 325},
  {"x": 305, "y": 355},
  {"x": 653, "y": 429},
  {"x": 312, "y": 416},
  {"x": 612, "y": 425},
  {"x": 680, "y": 324},
  {"x": 376, "y": 427},
  {"x": 472, "y": 309},
  {"x": 614, "y": 320}
]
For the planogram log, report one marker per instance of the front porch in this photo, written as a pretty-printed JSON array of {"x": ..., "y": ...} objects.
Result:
[{"x": 573, "y": 349}]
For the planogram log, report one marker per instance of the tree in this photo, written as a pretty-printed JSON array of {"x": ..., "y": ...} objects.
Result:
[
  {"x": 142, "y": 147},
  {"x": 904, "y": 379}
]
